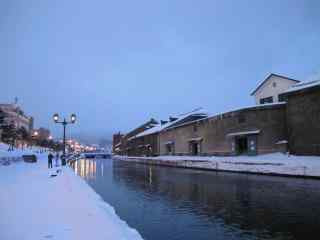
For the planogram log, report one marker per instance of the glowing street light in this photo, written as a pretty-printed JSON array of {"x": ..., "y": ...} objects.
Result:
[
  {"x": 73, "y": 118},
  {"x": 56, "y": 117},
  {"x": 64, "y": 124}
]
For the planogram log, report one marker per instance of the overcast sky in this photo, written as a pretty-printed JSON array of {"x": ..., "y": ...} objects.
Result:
[{"x": 118, "y": 63}]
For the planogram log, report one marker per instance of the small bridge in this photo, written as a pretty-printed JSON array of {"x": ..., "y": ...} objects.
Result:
[{"x": 96, "y": 155}]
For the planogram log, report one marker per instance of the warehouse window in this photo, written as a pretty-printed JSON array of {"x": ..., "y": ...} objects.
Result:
[{"x": 266, "y": 100}]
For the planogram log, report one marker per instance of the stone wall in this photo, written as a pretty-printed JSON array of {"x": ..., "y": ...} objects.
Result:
[
  {"x": 213, "y": 133},
  {"x": 303, "y": 120},
  {"x": 144, "y": 146}
]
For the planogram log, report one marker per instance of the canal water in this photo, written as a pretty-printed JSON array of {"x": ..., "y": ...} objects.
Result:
[{"x": 169, "y": 203}]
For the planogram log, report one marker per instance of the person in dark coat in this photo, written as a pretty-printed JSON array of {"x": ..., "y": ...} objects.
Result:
[{"x": 50, "y": 157}]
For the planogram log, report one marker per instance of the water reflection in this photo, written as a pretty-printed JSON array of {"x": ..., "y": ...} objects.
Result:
[
  {"x": 266, "y": 206},
  {"x": 85, "y": 168},
  {"x": 170, "y": 203}
]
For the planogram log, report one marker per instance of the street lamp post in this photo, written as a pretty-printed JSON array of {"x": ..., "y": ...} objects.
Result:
[
  {"x": 64, "y": 124},
  {"x": 34, "y": 137}
]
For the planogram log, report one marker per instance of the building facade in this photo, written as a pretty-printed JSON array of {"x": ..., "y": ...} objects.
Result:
[
  {"x": 270, "y": 89},
  {"x": 116, "y": 141},
  {"x": 253, "y": 130},
  {"x": 41, "y": 133},
  {"x": 147, "y": 142},
  {"x": 14, "y": 114},
  {"x": 122, "y": 144},
  {"x": 303, "y": 118},
  {"x": 286, "y": 118}
]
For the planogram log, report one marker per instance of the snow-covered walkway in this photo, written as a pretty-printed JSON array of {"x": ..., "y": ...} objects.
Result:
[
  {"x": 273, "y": 164},
  {"x": 35, "y": 206}
]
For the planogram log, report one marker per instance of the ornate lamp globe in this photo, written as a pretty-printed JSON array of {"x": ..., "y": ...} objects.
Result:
[
  {"x": 73, "y": 118},
  {"x": 56, "y": 117}
]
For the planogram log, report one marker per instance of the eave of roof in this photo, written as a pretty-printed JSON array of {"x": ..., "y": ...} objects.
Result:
[
  {"x": 215, "y": 115},
  {"x": 270, "y": 75},
  {"x": 302, "y": 87},
  {"x": 159, "y": 128},
  {"x": 243, "y": 133}
]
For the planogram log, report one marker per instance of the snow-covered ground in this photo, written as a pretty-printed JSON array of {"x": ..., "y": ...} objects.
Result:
[
  {"x": 275, "y": 163},
  {"x": 16, "y": 153},
  {"x": 35, "y": 206}
]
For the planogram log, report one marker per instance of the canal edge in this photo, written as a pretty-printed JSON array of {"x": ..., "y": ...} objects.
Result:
[{"x": 174, "y": 164}]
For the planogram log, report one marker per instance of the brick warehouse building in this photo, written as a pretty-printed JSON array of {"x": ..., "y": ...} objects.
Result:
[
  {"x": 147, "y": 143},
  {"x": 252, "y": 130},
  {"x": 303, "y": 118},
  {"x": 270, "y": 126},
  {"x": 121, "y": 143}
]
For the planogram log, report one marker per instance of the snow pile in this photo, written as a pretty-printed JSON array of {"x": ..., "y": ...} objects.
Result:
[
  {"x": 17, "y": 151},
  {"x": 34, "y": 205},
  {"x": 9, "y": 157},
  {"x": 275, "y": 163}
]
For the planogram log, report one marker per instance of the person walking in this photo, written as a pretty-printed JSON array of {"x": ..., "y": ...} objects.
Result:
[
  {"x": 50, "y": 157},
  {"x": 57, "y": 159}
]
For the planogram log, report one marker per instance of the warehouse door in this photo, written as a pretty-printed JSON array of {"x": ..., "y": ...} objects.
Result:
[{"x": 242, "y": 145}]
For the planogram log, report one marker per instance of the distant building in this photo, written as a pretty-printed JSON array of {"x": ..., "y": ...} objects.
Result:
[
  {"x": 14, "y": 114},
  {"x": 125, "y": 147},
  {"x": 269, "y": 90},
  {"x": 42, "y": 133},
  {"x": 147, "y": 141},
  {"x": 116, "y": 141}
]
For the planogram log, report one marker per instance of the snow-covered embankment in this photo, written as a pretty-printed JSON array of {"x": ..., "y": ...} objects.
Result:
[
  {"x": 269, "y": 164},
  {"x": 34, "y": 205}
]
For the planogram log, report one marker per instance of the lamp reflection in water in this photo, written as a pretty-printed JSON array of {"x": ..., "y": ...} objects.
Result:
[
  {"x": 85, "y": 168},
  {"x": 150, "y": 175},
  {"x": 102, "y": 168}
]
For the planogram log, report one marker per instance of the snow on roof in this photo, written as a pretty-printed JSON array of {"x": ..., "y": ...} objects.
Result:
[
  {"x": 267, "y": 78},
  {"x": 247, "y": 108},
  {"x": 243, "y": 133},
  {"x": 301, "y": 86},
  {"x": 233, "y": 110},
  {"x": 130, "y": 138},
  {"x": 159, "y": 127},
  {"x": 149, "y": 131}
]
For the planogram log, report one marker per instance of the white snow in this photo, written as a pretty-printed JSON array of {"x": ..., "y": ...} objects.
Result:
[
  {"x": 303, "y": 85},
  {"x": 216, "y": 115},
  {"x": 159, "y": 127},
  {"x": 149, "y": 131},
  {"x": 16, "y": 153},
  {"x": 276, "y": 163},
  {"x": 36, "y": 206},
  {"x": 243, "y": 133}
]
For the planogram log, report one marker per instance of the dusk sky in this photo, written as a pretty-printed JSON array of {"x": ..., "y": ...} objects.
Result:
[{"x": 118, "y": 63}]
